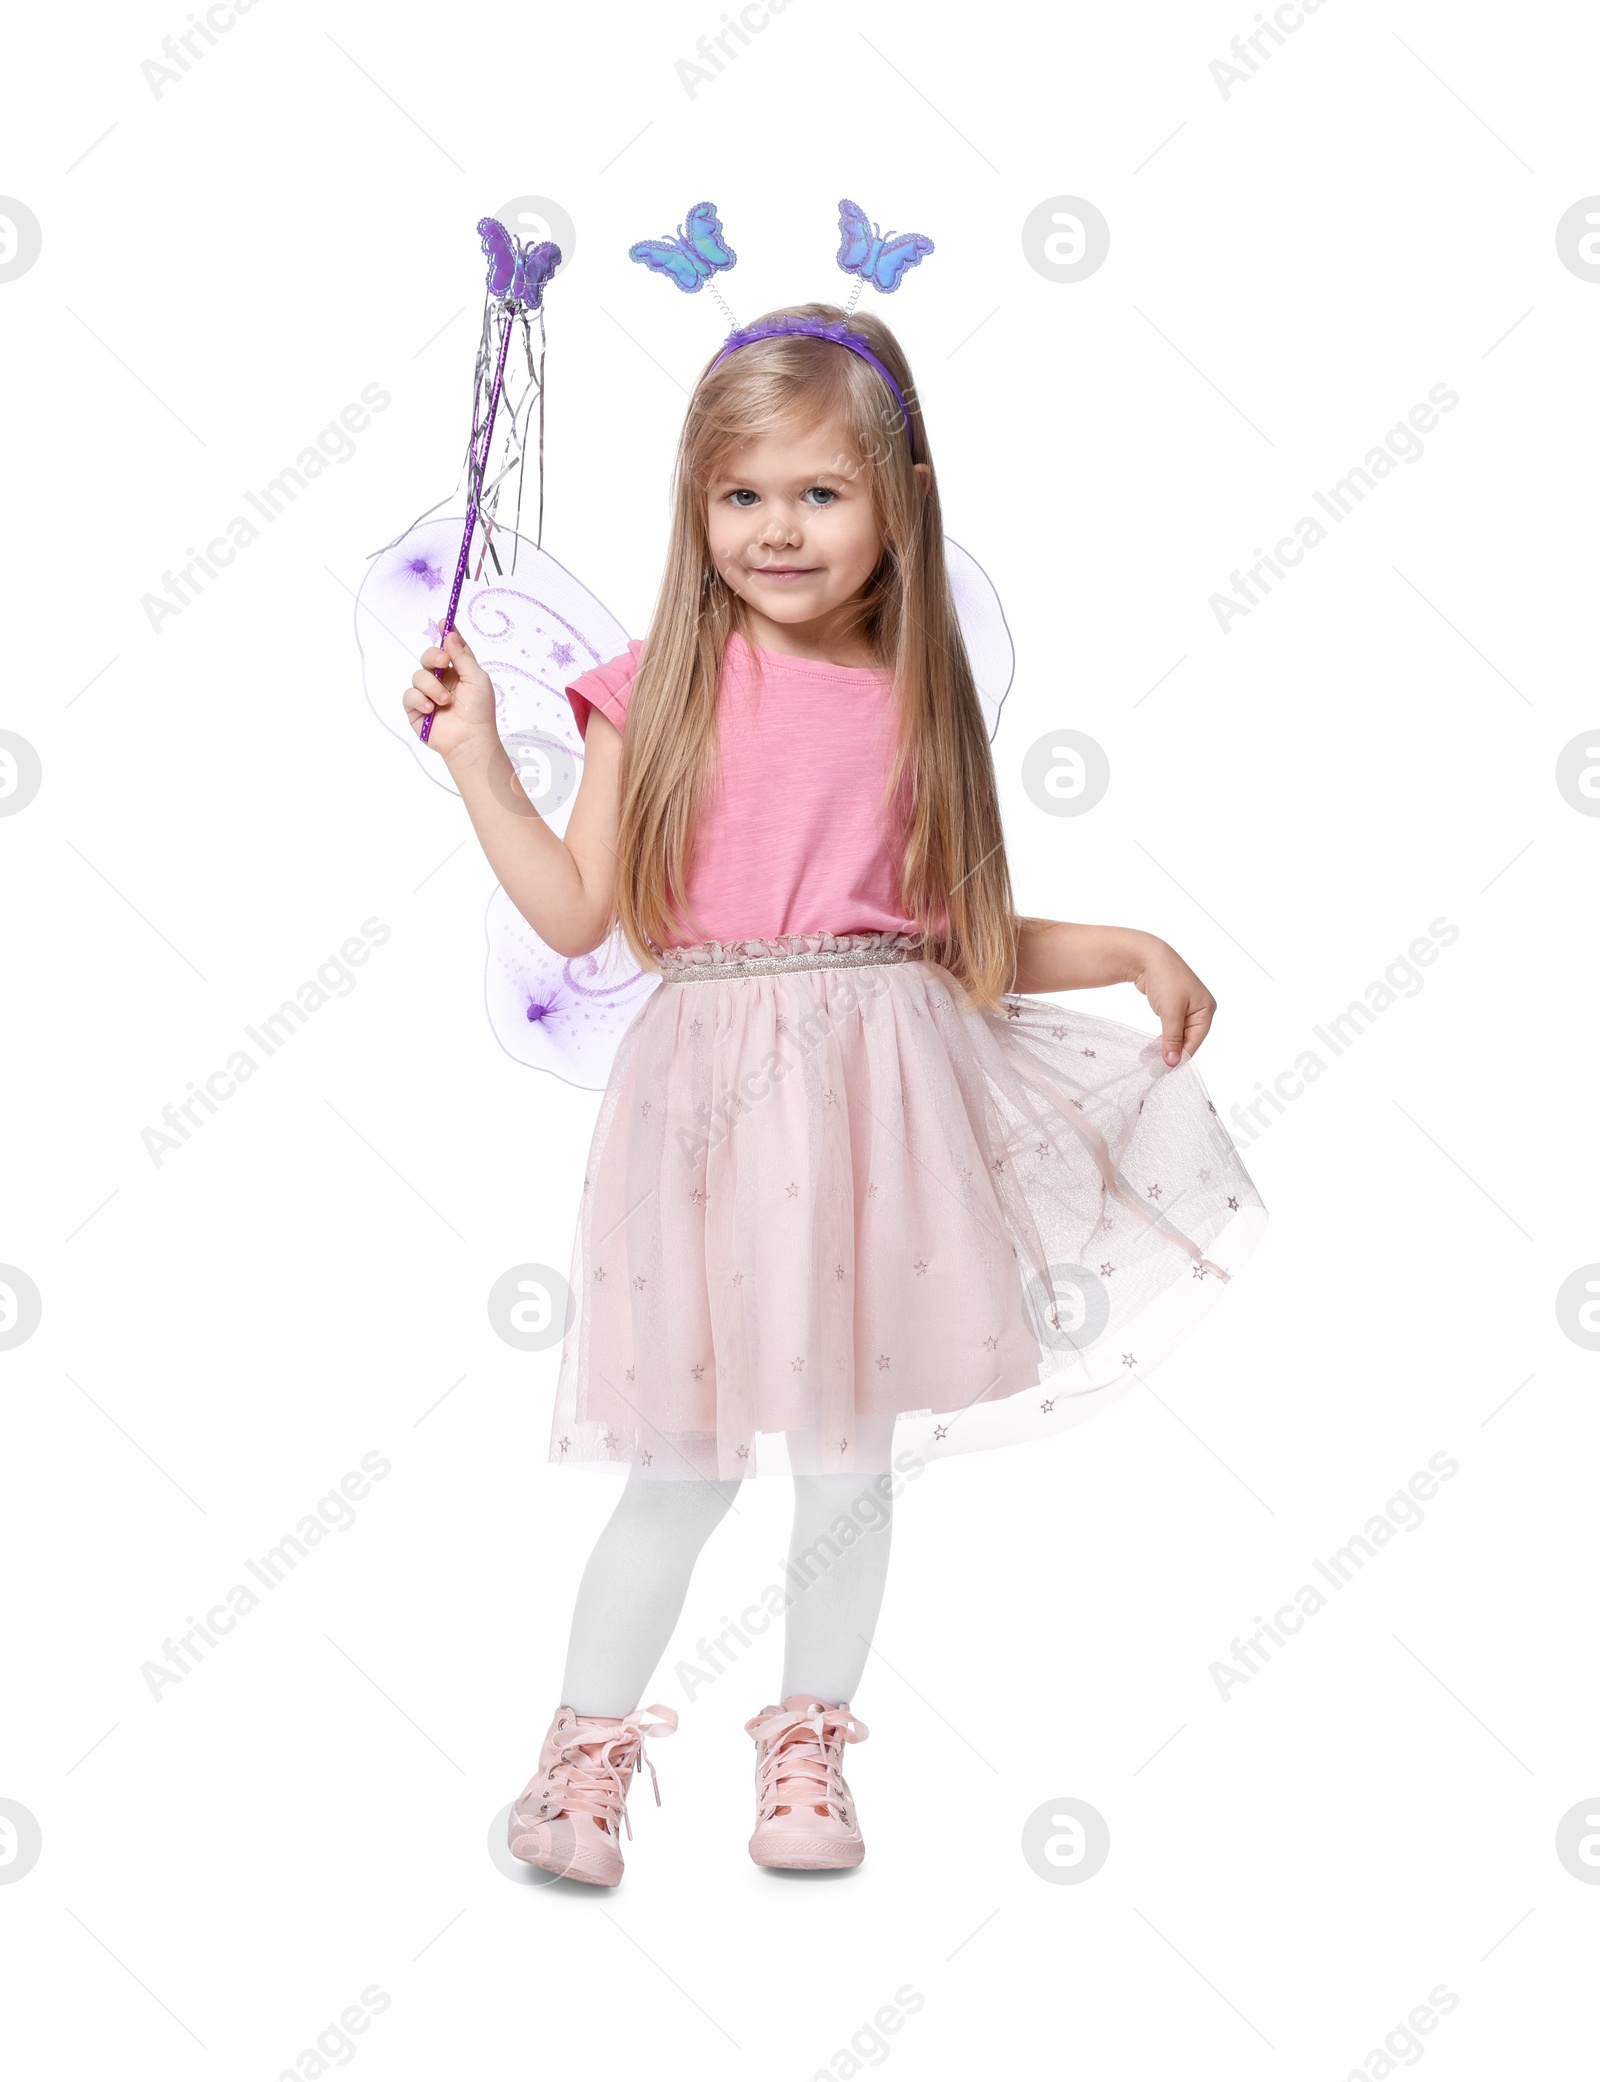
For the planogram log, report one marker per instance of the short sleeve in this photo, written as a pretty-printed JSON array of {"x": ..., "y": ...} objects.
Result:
[{"x": 606, "y": 688}]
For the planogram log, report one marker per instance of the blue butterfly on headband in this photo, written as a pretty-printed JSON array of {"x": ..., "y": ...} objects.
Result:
[
  {"x": 697, "y": 253},
  {"x": 878, "y": 259},
  {"x": 517, "y": 272}
]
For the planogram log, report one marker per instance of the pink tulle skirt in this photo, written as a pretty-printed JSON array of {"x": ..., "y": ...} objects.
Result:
[{"x": 834, "y": 1216}]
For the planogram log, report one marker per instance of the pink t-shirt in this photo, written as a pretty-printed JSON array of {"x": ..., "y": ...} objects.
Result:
[{"x": 794, "y": 837}]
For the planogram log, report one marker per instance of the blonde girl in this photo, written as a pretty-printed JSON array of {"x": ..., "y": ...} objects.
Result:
[{"x": 859, "y": 1196}]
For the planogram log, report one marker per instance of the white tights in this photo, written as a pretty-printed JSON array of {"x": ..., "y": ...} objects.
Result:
[{"x": 636, "y": 1580}]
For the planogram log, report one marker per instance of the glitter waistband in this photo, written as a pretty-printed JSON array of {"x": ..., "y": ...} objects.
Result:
[{"x": 727, "y": 960}]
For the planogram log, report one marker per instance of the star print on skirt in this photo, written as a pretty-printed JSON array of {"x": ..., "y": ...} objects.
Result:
[{"x": 833, "y": 1214}]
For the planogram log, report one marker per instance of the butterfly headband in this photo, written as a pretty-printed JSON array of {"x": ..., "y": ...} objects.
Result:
[{"x": 697, "y": 253}]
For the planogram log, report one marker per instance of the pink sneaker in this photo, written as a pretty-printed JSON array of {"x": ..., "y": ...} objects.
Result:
[
  {"x": 805, "y": 1816},
  {"x": 566, "y": 1817}
]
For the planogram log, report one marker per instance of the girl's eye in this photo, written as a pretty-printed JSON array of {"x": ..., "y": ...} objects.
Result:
[
  {"x": 824, "y": 496},
  {"x": 743, "y": 498}
]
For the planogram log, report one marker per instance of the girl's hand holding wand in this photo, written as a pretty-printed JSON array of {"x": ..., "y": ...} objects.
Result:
[
  {"x": 563, "y": 887},
  {"x": 456, "y": 692}
]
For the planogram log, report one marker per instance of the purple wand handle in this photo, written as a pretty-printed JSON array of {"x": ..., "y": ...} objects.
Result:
[{"x": 480, "y": 462}]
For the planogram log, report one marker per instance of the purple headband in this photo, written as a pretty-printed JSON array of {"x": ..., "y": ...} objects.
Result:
[
  {"x": 698, "y": 252},
  {"x": 813, "y": 328}
]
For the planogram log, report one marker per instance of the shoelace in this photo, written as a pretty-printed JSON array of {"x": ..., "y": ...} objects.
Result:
[
  {"x": 800, "y": 1757},
  {"x": 592, "y": 1774}
]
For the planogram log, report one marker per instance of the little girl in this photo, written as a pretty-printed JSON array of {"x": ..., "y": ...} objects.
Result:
[{"x": 855, "y": 1201}]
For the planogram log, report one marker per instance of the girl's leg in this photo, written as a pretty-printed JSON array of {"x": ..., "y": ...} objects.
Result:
[
  {"x": 829, "y": 1627},
  {"x": 633, "y": 1589}
]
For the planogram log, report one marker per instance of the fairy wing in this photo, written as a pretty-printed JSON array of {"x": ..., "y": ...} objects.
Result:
[
  {"x": 897, "y": 253},
  {"x": 703, "y": 232},
  {"x": 670, "y": 257},
  {"x": 983, "y": 630},
  {"x": 532, "y": 626},
  {"x": 503, "y": 257},
  {"x": 553, "y": 1014}
]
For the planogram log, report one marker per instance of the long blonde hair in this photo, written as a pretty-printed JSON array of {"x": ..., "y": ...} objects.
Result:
[{"x": 954, "y": 879}]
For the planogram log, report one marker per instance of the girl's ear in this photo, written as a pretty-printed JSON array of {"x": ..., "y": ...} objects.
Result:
[{"x": 923, "y": 473}]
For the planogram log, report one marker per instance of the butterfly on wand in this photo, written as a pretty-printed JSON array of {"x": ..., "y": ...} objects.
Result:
[{"x": 518, "y": 271}]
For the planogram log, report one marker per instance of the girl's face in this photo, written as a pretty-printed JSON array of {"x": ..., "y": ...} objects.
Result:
[{"x": 792, "y": 528}]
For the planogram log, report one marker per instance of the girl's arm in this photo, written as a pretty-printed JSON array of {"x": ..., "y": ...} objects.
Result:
[
  {"x": 1054, "y": 956},
  {"x": 563, "y": 887}
]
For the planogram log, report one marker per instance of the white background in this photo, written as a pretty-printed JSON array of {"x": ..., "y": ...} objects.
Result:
[{"x": 1292, "y": 267}]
